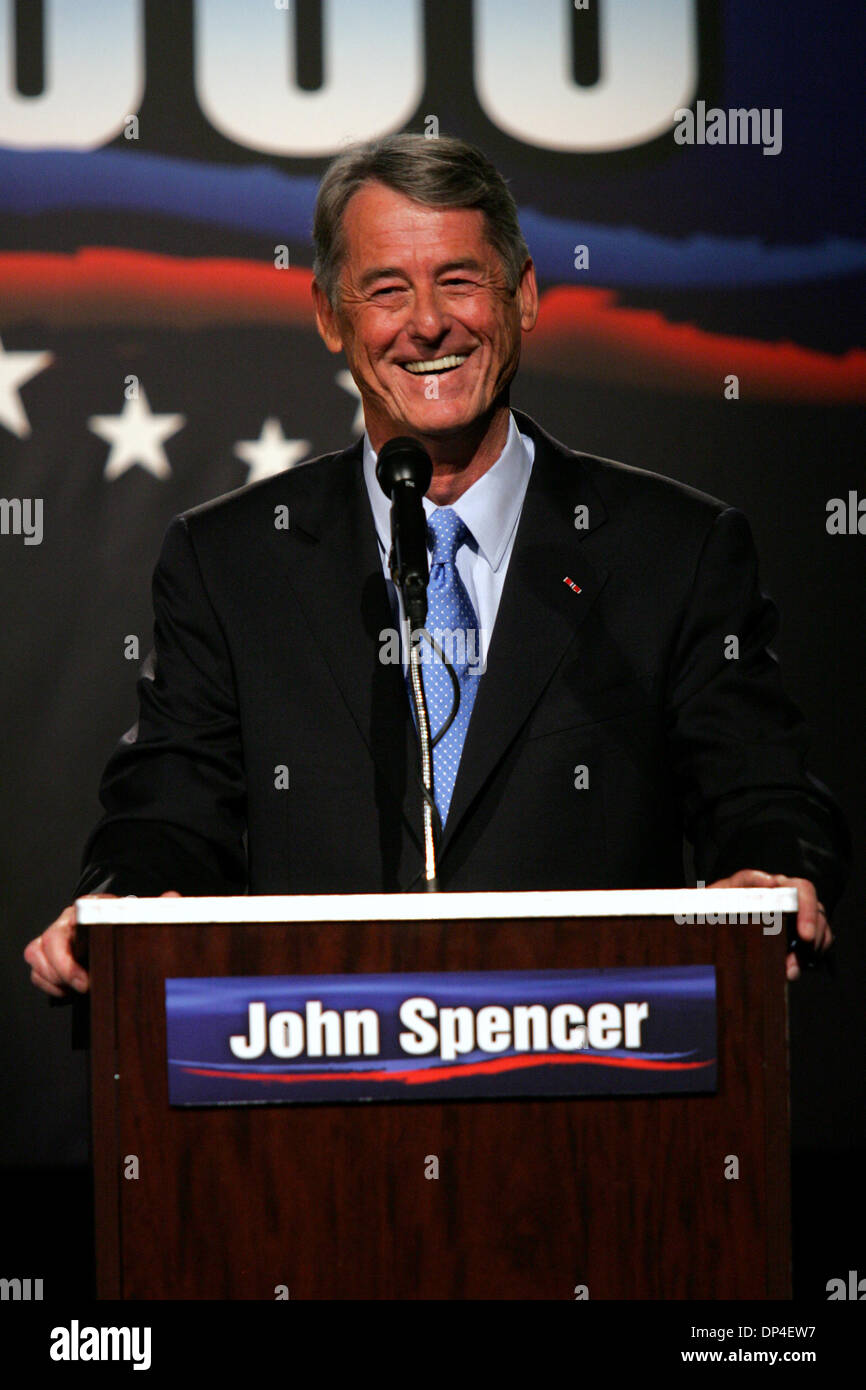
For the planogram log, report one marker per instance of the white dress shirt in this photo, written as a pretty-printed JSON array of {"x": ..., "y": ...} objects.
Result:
[{"x": 490, "y": 508}]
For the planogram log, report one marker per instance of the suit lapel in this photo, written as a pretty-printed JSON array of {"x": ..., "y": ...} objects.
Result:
[
  {"x": 337, "y": 578},
  {"x": 539, "y": 612}
]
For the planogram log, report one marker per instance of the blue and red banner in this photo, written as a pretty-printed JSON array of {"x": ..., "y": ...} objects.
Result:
[{"x": 338, "y": 1038}]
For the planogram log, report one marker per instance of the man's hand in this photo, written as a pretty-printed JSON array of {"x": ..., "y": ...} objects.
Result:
[
  {"x": 812, "y": 924},
  {"x": 51, "y": 956}
]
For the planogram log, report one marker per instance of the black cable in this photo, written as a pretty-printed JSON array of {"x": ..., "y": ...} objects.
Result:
[{"x": 455, "y": 683}]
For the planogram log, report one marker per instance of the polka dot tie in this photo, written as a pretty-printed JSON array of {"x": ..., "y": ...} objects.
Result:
[{"x": 453, "y": 622}]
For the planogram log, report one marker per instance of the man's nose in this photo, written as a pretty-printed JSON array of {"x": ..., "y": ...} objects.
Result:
[{"x": 427, "y": 318}]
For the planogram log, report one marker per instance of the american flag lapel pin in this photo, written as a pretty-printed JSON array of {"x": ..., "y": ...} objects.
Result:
[{"x": 571, "y": 584}]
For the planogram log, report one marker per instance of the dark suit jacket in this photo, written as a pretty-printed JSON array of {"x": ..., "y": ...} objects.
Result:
[{"x": 266, "y": 656}]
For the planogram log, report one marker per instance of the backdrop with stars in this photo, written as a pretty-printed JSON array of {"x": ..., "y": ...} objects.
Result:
[{"x": 158, "y": 169}]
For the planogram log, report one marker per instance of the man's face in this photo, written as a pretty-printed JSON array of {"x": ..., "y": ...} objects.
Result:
[{"x": 423, "y": 288}]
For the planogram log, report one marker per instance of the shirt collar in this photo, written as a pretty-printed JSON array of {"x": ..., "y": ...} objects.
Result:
[{"x": 490, "y": 507}]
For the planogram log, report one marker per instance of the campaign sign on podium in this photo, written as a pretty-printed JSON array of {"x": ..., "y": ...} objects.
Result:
[{"x": 338, "y": 1038}]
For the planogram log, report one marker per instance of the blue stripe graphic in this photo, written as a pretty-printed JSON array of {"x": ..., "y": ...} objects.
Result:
[{"x": 262, "y": 201}]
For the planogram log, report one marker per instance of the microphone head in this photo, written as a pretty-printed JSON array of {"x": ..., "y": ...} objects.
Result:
[{"x": 404, "y": 460}]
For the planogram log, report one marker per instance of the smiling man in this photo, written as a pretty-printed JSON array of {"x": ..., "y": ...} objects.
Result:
[
  {"x": 275, "y": 750},
  {"x": 430, "y": 316}
]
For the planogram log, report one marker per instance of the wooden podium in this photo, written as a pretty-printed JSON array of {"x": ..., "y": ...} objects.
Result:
[{"x": 626, "y": 1197}]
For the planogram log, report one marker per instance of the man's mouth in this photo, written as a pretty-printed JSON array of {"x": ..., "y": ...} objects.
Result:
[{"x": 435, "y": 364}]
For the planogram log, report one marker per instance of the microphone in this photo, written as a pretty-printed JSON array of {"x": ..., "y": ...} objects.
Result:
[{"x": 404, "y": 471}]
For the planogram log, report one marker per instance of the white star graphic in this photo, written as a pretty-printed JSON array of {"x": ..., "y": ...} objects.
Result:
[
  {"x": 136, "y": 436},
  {"x": 345, "y": 380},
  {"x": 271, "y": 452},
  {"x": 15, "y": 369}
]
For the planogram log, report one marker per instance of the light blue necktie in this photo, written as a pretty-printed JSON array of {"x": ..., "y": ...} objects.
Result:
[{"x": 453, "y": 622}]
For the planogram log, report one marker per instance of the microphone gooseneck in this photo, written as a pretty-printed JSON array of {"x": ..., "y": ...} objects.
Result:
[{"x": 404, "y": 471}]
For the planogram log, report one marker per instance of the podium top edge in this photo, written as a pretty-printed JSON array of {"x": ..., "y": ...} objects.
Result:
[{"x": 414, "y": 907}]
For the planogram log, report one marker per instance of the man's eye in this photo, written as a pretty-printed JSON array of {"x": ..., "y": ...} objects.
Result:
[{"x": 388, "y": 289}]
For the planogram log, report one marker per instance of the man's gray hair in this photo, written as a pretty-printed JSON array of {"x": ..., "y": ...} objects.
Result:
[{"x": 441, "y": 173}]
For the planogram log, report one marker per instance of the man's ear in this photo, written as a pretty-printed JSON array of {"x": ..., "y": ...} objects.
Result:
[
  {"x": 527, "y": 297},
  {"x": 326, "y": 320}
]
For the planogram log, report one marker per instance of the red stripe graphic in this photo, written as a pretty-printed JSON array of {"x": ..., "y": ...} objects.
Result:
[
  {"x": 581, "y": 333},
  {"x": 584, "y": 332},
  {"x": 106, "y": 286},
  {"x": 420, "y": 1077}
]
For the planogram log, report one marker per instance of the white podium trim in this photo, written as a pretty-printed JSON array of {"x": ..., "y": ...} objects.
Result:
[{"x": 414, "y": 907}]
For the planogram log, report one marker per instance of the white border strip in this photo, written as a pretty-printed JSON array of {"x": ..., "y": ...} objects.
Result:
[{"x": 415, "y": 907}]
